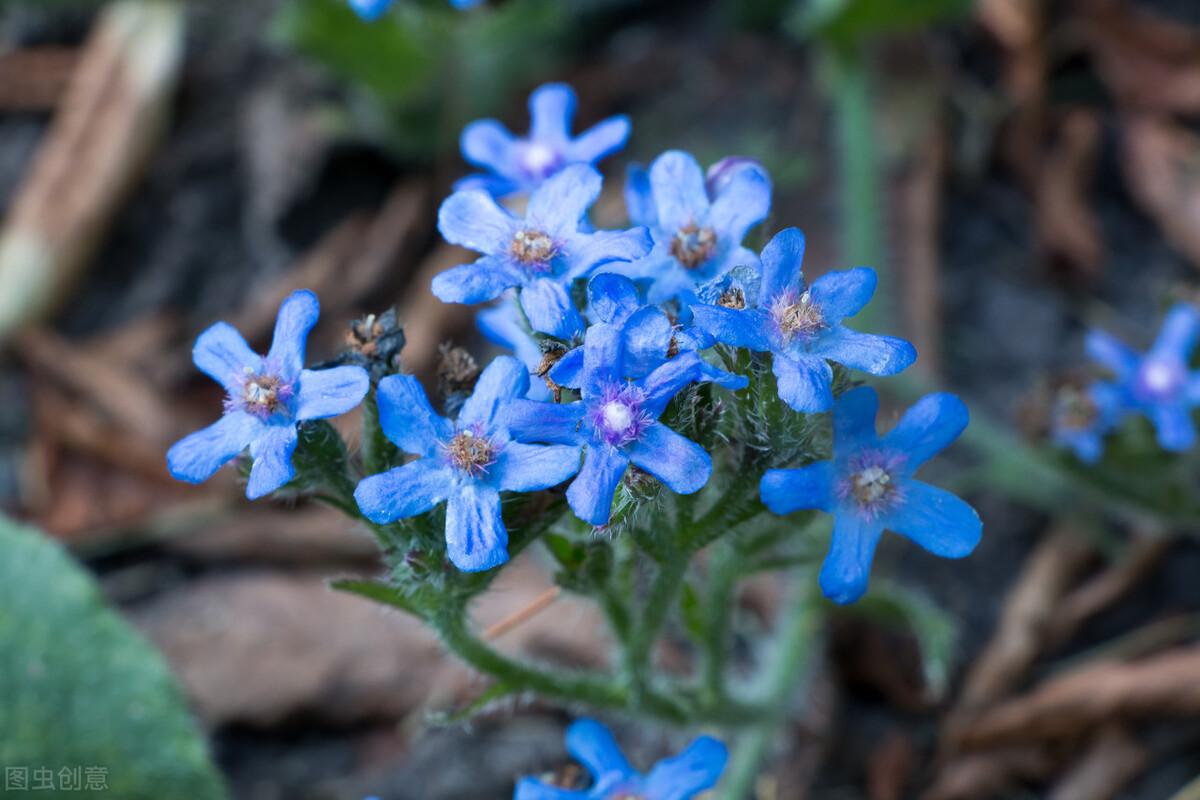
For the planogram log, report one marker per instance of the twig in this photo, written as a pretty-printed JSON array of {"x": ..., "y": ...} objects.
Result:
[
  {"x": 1113, "y": 760},
  {"x": 522, "y": 615}
]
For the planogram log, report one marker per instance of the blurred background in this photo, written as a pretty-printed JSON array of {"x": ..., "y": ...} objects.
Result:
[{"x": 1018, "y": 171}]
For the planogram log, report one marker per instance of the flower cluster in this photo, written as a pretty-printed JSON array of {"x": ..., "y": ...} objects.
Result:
[{"x": 1158, "y": 385}]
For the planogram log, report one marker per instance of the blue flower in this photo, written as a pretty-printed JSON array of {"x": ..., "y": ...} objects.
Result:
[
  {"x": 802, "y": 327},
  {"x": 516, "y": 164},
  {"x": 869, "y": 486},
  {"x": 501, "y": 324},
  {"x": 696, "y": 769},
  {"x": 697, "y": 237},
  {"x": 1083, "y": 416},
  {"x": 617, "y": 422},
  {"x": 372, "y": 10},
  {"x": 541, "y": 253},
  {"x": 267, "y": 396},
  {"x": 1158, "y": 384},
  {"x": 466, "y": 463},
  {"x": 648, "y": 336}
]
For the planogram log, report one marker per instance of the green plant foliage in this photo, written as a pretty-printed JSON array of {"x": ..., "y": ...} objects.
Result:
[
  {"x": 936, "y": 631},
  {"x": 79, "y": 688},
  {"x": 848, "y": 21}
]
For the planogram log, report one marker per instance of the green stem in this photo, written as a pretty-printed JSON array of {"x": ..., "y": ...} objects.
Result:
[
  {"x": 659, "y": 601},
  {"x": 789, "y": 665},
  {"x": 726, "y": 568}
]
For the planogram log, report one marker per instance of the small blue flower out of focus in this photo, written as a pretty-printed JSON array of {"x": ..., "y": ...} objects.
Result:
[
  {"x": 521, "y": 164},
  {"x": 802, "y": 326},
  {"x": 617, "y": 422},
  {"x": 1158, "y": 384},
  {"x": 695, "y": 770},
  {"x": 869, "y": 486},
  {"x": 266, "y": 398},
  {"x": 1083, "y": 416},
  {"x": 372, "y": 10},
  {"x": 542, "y": 253},
  {"x": 466, "y": 463},
  {"x": 697, "y": 236}
]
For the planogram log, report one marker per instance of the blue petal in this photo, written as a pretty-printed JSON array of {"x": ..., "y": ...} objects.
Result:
[
  {"x": 602, "y": 359},
  {"x": 647, "y": 335},
  {"x": 504, "y": 380},
  {"x": 805, "y": 383},
  {"x": 404, "y": 491},
  {"x": 297, "y": 316},
  {"x": 223, "y": 355},
  {"x": 463, "y": 5},
  {"x": 738, "y": 328},
  {"x": 843, "y": 293},
  {"x": 591, "y": 493},
  {"x": 477, "y": 282},
  {"x": 847, "y": 567},
  {"x": 1088, "y": 446},
  {"x": 495, "y": 185},
  {"x": 675, "y": 460},
  {"x": 370, "y": 10},
  {"x": 602, "y": 139},
  {"x": 330, "y": 392},
  {"x": 666, "y": 381},
  {"x": 639, "y": 197},
  {"x": 475, "y": 536},
  {"x": 935, "y": 519},
  {"x": 695, "y": 770},
  {"x": 502, "y": 325},
  {"x": 719, "y": 176},
  {"x": 487, "y": 143},
  {"x": 854, "y": 416},
  {"x": 726, "y": 380},
  {"x": 588, "y": 251},
  {"x": 568, "y": 370},
  {"x": 271, "y": 452},
  {"x": 612, "y": 298},
  {"x": 931, "y": 424},
  {"x": 679, "y": 192},
  {"x": 551, "y": 109},
  {"x": 407, "y": 418},
  {"x": 877, "y": 355},
  {"x": 553, "y": 423},
  {"x": 1112, "y": 353},
  {"x": 1178, "y": 334},
  {"x": 1193, "y": 389},
  {"x": 196, "y": 457},
  {"x": 560, "y": 203},
  {"x": 782, "y": 264},
  {"x": 533, "y": 789},
  {"x": 786, "y": 490},
  {"x": 1176, "y": 431},
  {"x": 593, "y": 746},
  {"x": 472, "y": 218},
  {"x": 531, "y": 467},
  {"x": 743, "y": 203},
  {"x": 549, "y": 309}
]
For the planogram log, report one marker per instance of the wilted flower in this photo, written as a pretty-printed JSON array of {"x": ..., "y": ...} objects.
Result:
[
  {"x": 267, "y": 397},
  {"x": 696, "y": 769},
  {"x": 802, "y": 326},
  {"x": 521, "y": 164},
  {"x": 465, "y": 463},
  {"x": 541, "y": 253},
  {"x": 869, "y": 486},
  {"x": 1083, "y": 415}
]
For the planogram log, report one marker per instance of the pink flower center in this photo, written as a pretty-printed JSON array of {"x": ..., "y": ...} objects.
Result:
[{"x": 260, "y": 393}]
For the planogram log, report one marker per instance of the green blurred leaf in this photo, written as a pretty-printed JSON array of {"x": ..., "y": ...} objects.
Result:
[
  {"x": 848, "y": 21},
  {"x": 936, "y": 631},
  {"x": 79, "y": 688},
  {"x": 379, "y": 592}
]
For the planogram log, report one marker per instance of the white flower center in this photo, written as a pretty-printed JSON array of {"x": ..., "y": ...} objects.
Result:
[
  {"x": 1158, "y": 377},
  {"x": 617, "y": 417},
  {"x": 538, "y": 158}
]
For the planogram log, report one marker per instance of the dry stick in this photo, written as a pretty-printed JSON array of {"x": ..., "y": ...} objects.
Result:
[
  {"x": 1114, "y": 759},
  {"x": 920, "y": 215},
  {"x": 35, "y": 78},
  {"x": 107, "y": 125},
  {"x": 984, "y": 774},
  {"x": 523, "y": 615}
]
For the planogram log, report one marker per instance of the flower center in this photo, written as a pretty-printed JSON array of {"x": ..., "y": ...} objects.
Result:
[
  {"x": 533, "y": 249},
  {"x": 693, "y": 245},
  {"x": 618, "y": 418},
  {"x": 471, "y": 452},
  {"x": 1077, "y": 410},
  {"x": 872, "y": 485},
  {"x": 732, "y": 297},
  {"x": 871, "y": 482},
  {"x": 539, "y": 160},
  {"x": 1160, "y": 378},
  {"x": 800, "y": 318},
  {"x": 260, "y": 393}
]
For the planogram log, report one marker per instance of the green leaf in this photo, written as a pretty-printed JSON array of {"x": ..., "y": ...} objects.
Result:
[
  {"x": 935, "y": 630},
  {"x": 692, "y": 612},
  {"x": 80, "y": 688},
  {"x": 379, "y": 592},
  {"x": 490, "y": 696},
  {"x": 848, "y": 21}
]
